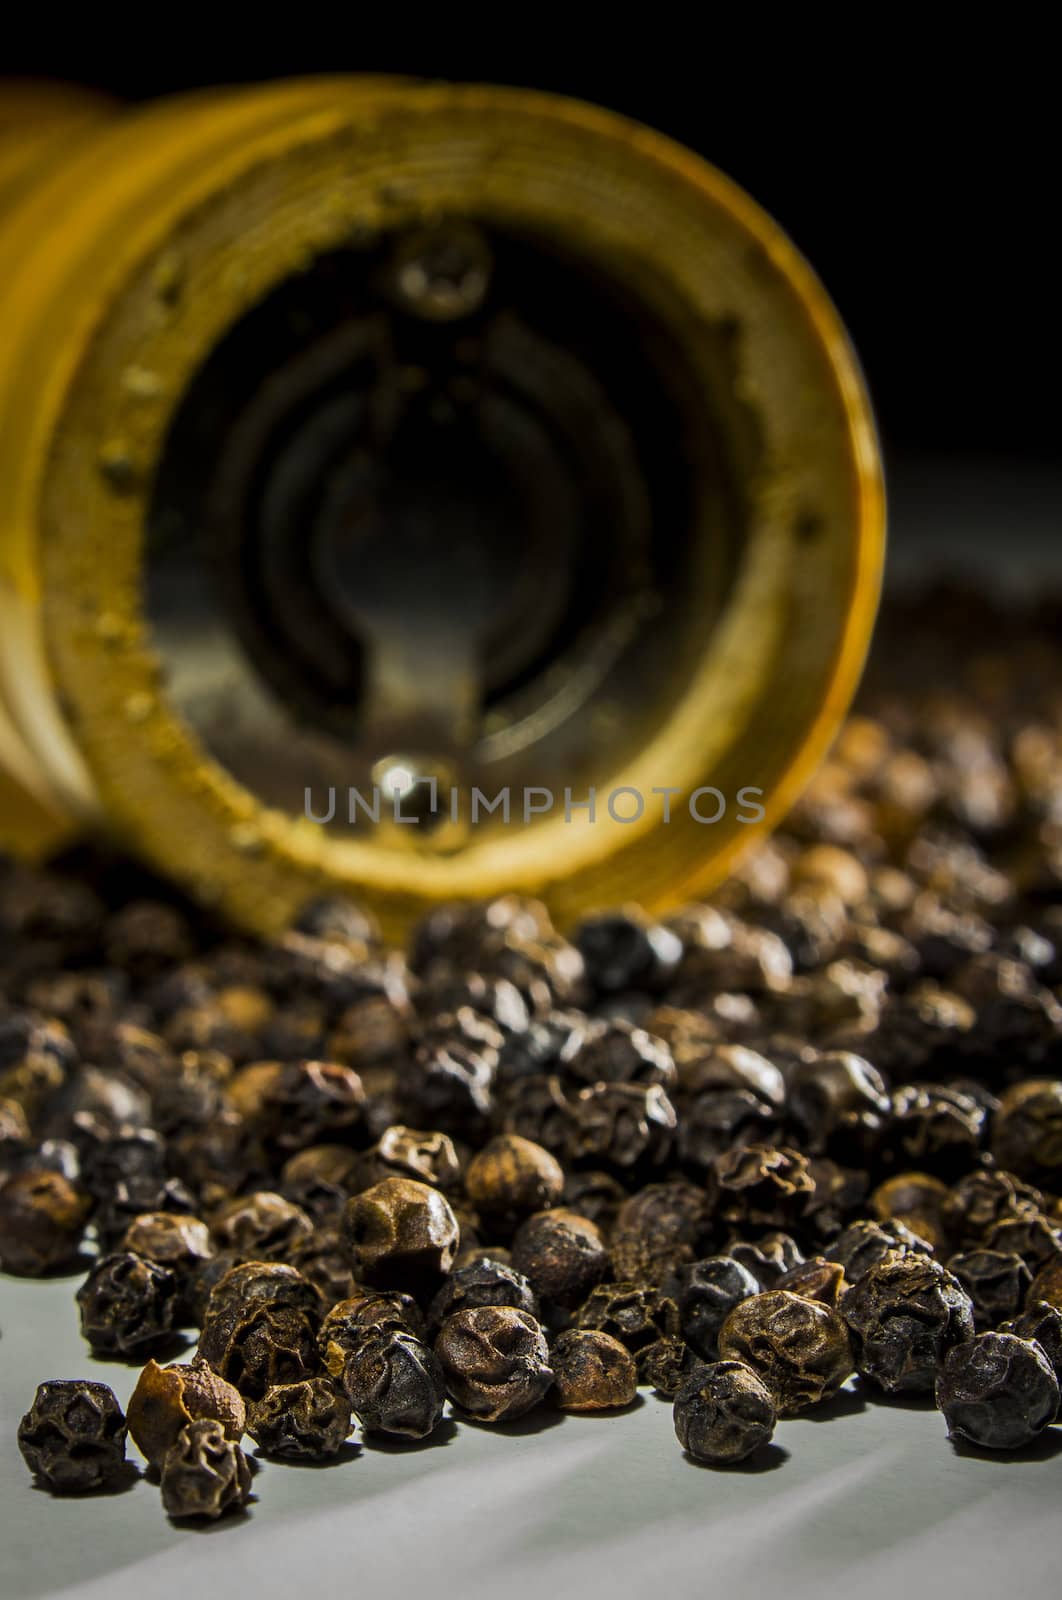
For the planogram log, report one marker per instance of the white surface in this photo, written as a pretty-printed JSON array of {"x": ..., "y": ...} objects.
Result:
[{"x": 869, "y": 1501}]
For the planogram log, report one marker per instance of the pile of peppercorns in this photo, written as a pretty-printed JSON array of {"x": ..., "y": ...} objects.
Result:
[{"x": 810, "y": 1130}]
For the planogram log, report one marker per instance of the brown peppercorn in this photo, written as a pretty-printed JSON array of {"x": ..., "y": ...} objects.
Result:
[
  {"x": 401, "y": 1234},
  {"x": 665, "y": 1364},
  {"x": 402, "y": 1152},
  {"x": 1027, "y": 1131},
  {"x": 204, "y": 1474},
  {"x": 178, "y": 1242},
  {"x": 592, "y": 1371},
  {"x": 762, "y": 1185},
  {"x": 495, "y": 1361},
  {"x": 166, "y": 1399},
  {"x": 42, "y": 1220},
  {"x": 657, "y": 1231},
  {"x": 561, "y": 1255},
  {"x": 920, "y": 1202},
  {"x": 262, "y": 1226},
  {"x": 350, "y": 1321},
  {"x": 815, "y": 1279},
  {"x": 305, "y": 1421},
  {"x": 800, "y": 1348},
  {"x": 333, "y": 1164},
  {"x": 634, "y": 1313},
  {"x": 512, "y": 1177},
  {"x": 73, "y": 1436},
  {"x": 1047, "y": 1285},
  {"x": 292, "y": 1104},
  {"x": 622, "y": 1125},
  {"x": 273, "y": 1284}
]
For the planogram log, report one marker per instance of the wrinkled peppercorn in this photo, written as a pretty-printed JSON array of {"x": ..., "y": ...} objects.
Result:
[
  {"x": 127, "y": 1304},
  {"x": 665, "y": 1364},
  {"x": 635, "y": 1314},
  {"x": 706, "y": 1292},
  {"x": 394, "y": 1383},
  {"x": 73, "y": 1436},
  {"x": 723, "y": 1413},
  {"x": 800, "y": 1348},
  {"x": 996, "y": 1283},
  {"x": 495, "y": 1362},
  {"x": 904, "y": 1316},
  {"x": 485, "y": 1282},
  {"x": 166, "y": 1399},
  {"x": 592, "y": 1371},
  {"x": 204, "y": 1474},
  {"x": 305, "y": 1421},
  {"x": 997, "y": 1391},
  {"x": 349, "y": 1321},
  {"x": 255, "y": 1345},
  {"x": 1042, "y": 1323},
  {"x": 657, "y": 1231}
]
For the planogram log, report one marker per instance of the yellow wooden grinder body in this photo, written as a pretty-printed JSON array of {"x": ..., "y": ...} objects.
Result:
[{"x": 132, "y": 243}]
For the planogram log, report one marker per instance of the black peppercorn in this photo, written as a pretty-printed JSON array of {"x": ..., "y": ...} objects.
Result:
[
  {"x": 73, "y": 1436},
  {"x": 996, "y": 1283},
  {"x": 592, "y": 1371},
  {"x": 1042, "y": 1323},
  {"x": 723, "y": 1413},
  {"x": 394, "y": 1383},
  {"x": 622, "y": 1125},
  {"x": 706, "y": 1292},
  {"x": 800, "y": 1348},
  {"x": 626, "y": 950},
  {"x": 904, "y": 1316},
  {"x": 865, "y": 1244},
  {"x": 768, "y": 1259},
  {"x": 997, "y": 1391},
  {"x": 305, "y": 1421},
  {"x": 763, "y": 1186},
  {"x": 127, "y": 1304},
  {"x": 204, "y": 1474},
  {"x": 484, "y": 1282},
  {"x": 618, "y": 1052},
  {"x": 348, "y": 1323},
  {"x": 495, "y": 1361}
]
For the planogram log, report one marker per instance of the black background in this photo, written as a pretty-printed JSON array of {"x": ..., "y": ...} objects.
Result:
[{"x": 919, "y": 178}]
